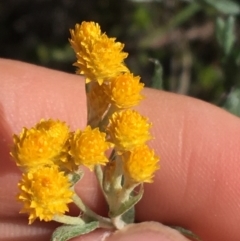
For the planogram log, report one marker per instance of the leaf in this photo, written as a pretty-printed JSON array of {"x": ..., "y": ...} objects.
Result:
[
  {"x": 225, "y": 33},
  {"x": 220, "y": 28},
  {"x": 128, "y": 204},
  {"x": 229, "y": 35},
  {"x": 76, "y": 177},
  {"x": 187, "y": 233},
  {"x": 225, "y": 6},
  {"x": 232, "y": 104},
  {"x": 129, "y": 216},
  {"x": 157, "y": 79},
  {"x": 66, "y": 232}
]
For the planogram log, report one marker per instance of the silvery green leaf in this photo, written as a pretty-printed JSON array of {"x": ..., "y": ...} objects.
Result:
[
  {"x": 157, "y": 79},
  {"x": 66, "y": 232},
  {"x": 225, "y": 6},
  {"x": 225, "y": 33},
  {"x": 128, "y": 204},
  {"x": 232, "y": 103},
  {"x": 229, "y": 34},
  {"x": 187, "y": 233},
  {"x": 76, "y": 177},
  {"x": 220, "y": 28},
  {"x": 129, "y": 215}
]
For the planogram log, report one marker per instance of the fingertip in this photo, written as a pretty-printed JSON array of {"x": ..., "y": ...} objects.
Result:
[{"x": 150, "y": 231}]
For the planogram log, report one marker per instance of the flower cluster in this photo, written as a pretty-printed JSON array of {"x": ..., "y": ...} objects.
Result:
[
  {"x": 118, "y": 90},
  {"x": 113, "y": 144},
  {"x": 47, "y": 153}
]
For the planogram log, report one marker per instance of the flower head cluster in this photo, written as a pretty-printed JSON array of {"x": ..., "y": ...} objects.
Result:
[
  {"x": 50, "y": 155},
  {"x": 41, "y": 152},
  {"x": 45, "y": 192},
  {"x": 98, "y": 57},
  {"x": 46, "y": 153}
]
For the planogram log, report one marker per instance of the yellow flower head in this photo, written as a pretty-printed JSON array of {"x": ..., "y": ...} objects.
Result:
[
  {"x": 43, "y": 144},
  {"x": 99, "y": 58},
  {"x": 128, "y": 129},
  {"x": 84, "y": 35},
  {"x": 140, "y": 164},
  {"x": 55, "y": 128},
  {"x": 124, "y": 90},
  {"x": 45, "y": 192},
  {"x": 88, "y": 147}
]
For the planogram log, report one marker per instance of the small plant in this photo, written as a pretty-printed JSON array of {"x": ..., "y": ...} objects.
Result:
[{"x": 51, "y": 156}]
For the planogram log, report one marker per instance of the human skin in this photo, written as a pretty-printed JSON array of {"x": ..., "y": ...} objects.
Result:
[{"x": 197, "y": 186}]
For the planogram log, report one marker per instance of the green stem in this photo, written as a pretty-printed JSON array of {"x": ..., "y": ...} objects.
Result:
[
  {"x": 118, "y": 222},
  {"x": 117, "y": 183},
  {"x": 68, "y": 220},
  {"x": 126, "y": 192},
  {"x": 184, "y": 15},
  {"x": 99, "y": 174},
  {"x": 119, "y": 197},
  {"x": 103, "y": 124},
  {"x": 87, "y": 90},
  {"x": 103, "y": 222},
  {"x": 176, "y": 21},
  {"x": 112, "y": 155}
]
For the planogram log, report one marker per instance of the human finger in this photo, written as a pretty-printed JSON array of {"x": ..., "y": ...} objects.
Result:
[{"x": 190, "y": 137}]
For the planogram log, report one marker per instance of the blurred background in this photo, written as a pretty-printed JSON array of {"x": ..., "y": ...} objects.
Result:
[{"x": 189, "y": 47}]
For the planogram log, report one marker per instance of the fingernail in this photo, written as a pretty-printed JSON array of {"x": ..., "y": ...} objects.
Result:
[{"x": 149, "y": 231}]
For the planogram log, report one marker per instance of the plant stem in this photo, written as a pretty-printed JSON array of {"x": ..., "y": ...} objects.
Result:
[
  {"x": 176, "y": 21},
  {"x": 103, "y": 222},
  {"x": 103, "y": 124},
  {"x": 99, "y": 174},
  {"x": 118, "y": 222},
  {"x": 68, "y": 220},
  {"x": 117, "y": 183}
]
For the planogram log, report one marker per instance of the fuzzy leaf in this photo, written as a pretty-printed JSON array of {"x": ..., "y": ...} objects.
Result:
[
  {"x": 232, "y": 103},
  {"x": 129, "y": 216},
  {"x": 76, "y": 177},
  {"x": 225, "y": 33},
  {"x": 157, "y": 79},
  {"x": 187, "y": 233},
  {"x": 225, "y": 6},
  {"x": 220, "y": 29},
  {"x": 66, "y": 232},
  {"x": 128, "y": 204},
  {"x": 229, "y": 34}
]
